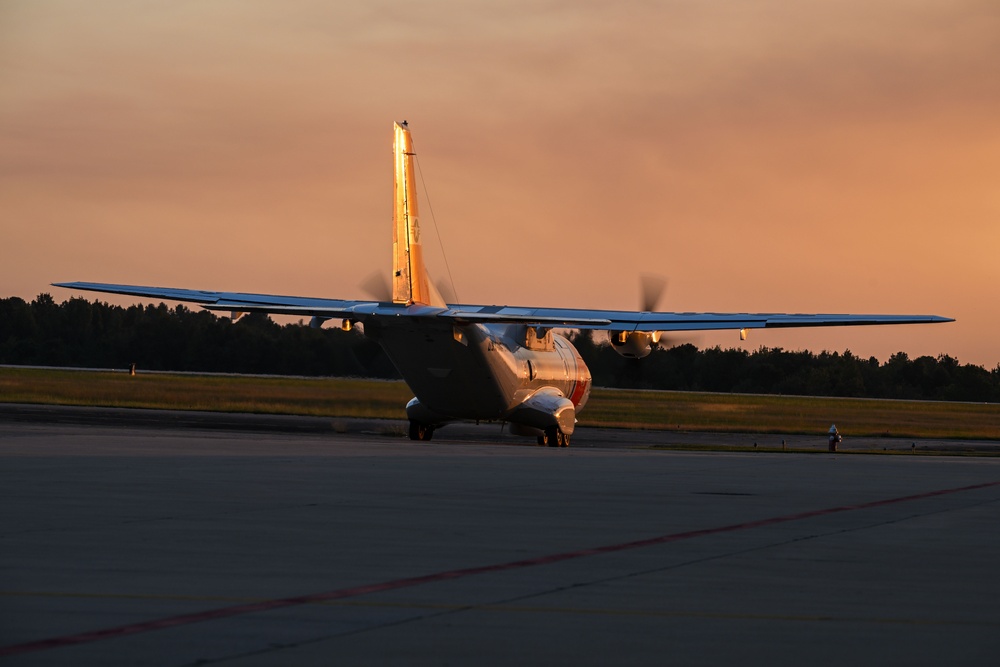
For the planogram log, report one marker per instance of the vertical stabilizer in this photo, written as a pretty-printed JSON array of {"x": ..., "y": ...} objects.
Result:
[{"x": 410, "y": 283}]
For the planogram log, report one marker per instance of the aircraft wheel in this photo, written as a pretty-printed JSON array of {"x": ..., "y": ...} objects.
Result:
[
  {"x": 565, "y": 441},
  {"x": 541, "y": 441},
  {"x": 553, "y": 436},
  {"x": 421, "y": 432}
]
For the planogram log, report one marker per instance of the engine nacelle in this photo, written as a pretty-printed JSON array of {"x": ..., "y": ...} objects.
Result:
[{"x": 634, "y": 344}]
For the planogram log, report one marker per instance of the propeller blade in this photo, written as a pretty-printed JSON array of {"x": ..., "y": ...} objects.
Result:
[
  {"x": 377, "y": 286},
  {"x": 652, "y": 291},
  {"x": 677, "y": 341},
  {"x": 446, "y": 292}
]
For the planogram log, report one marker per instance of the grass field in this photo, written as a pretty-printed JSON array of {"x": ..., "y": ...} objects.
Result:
[
  {"x": 742, "y": 413},
  {"x": 341, "y": 397}
]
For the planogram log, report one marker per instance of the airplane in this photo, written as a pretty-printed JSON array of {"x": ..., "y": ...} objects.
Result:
[{"x": 483, "y": 363}]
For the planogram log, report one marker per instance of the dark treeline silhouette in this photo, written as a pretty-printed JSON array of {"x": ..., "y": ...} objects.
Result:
[
  {"x": 81, "y": 333},
  {"x": 98, "y": 335},
  {"x": 776, "y": 371}
]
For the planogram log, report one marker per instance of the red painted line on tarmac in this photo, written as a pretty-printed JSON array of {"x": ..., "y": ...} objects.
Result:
[{"x": 267, "y": 605}]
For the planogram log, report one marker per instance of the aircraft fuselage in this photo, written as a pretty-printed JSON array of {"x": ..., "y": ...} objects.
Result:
[{"x": 482, "y": 372}]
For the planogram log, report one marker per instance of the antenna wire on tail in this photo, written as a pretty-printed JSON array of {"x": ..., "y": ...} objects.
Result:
[{"x": 437, "y": 231}]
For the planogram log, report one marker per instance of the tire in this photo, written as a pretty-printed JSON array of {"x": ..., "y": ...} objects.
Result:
[
  {"x": 552, "y": 436},
  {"x": 421, "y": 432}
]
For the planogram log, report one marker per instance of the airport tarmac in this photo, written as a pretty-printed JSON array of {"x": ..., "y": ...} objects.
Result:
[{"x": 131, "y": 544}]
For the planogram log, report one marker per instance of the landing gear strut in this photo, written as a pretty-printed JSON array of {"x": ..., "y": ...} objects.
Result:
[
  {"x": 420, "y": 431},
  {"x": 553, "y": 437}
]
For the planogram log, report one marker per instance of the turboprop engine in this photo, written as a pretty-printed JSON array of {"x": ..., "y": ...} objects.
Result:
[
  {"x": 638, "y": 344},
  {"x": 635, "y": 344}
]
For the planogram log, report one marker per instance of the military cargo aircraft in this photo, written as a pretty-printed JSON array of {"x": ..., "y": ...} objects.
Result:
[{"x": 483, "y": 363}]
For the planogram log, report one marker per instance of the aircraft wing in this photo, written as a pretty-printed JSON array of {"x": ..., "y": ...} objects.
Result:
[
  {"x": 239, "y": 302},
  {"x": 609, "y": 320},
  {"x": 232, "y": 301},
  {"x": 623, "y": 320}
]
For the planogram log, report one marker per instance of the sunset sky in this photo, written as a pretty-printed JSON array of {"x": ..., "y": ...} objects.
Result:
[{"x": 836, "y": 156}]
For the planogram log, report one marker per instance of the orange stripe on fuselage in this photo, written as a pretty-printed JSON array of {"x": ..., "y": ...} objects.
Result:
[{"x": 579, "y": 383}]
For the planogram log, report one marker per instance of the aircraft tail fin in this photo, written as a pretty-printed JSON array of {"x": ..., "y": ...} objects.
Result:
[{"x": 410, "y": 282}]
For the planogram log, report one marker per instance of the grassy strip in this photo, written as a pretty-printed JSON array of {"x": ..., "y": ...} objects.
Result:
[
  {"x": 340, "y": 397},
  {"x": 743, "y": 413},
  {"x": 336, "y": 397}
]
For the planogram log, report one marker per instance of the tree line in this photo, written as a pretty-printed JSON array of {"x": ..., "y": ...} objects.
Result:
[
  {"x": 86, "y": 334},
  {"x": 804, "y": 373},
  {"x": 82, "y": 333}
]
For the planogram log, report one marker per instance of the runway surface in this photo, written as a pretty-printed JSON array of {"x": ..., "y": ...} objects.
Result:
[{"x": 143, "y": 545}]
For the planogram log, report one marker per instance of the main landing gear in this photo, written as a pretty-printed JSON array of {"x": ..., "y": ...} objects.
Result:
[
  {"x": 553, "y": 437},
  {"x": 420, "y": 431}
]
